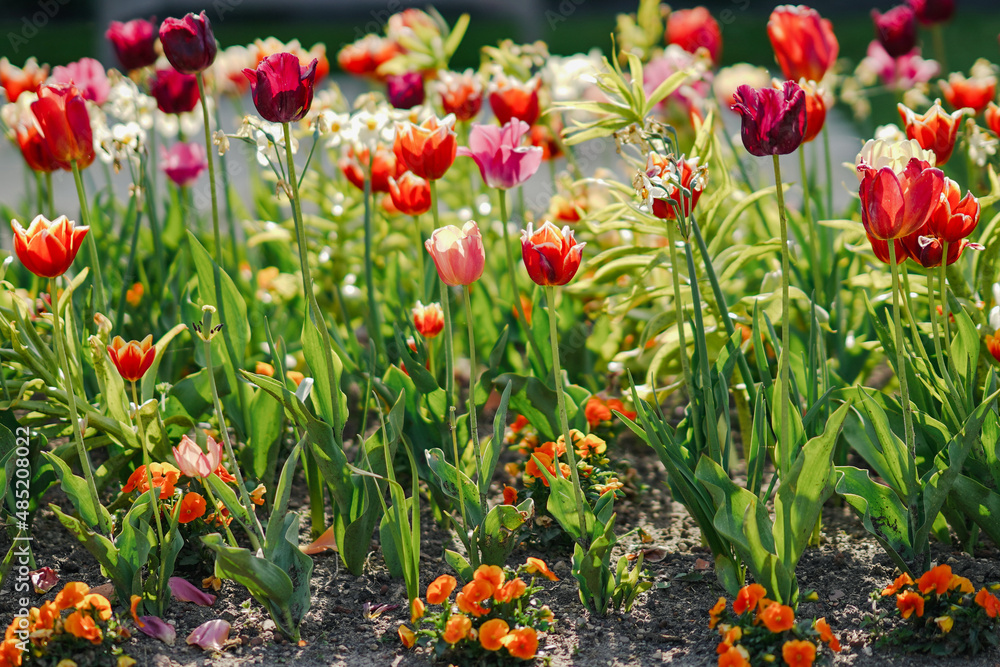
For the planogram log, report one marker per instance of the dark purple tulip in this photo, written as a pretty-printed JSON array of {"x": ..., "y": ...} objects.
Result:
[
  {"x": 133, "y": 42},
  {"x": 774, "y": 121},
  {"x": 188, "y": 43},
  {"x": 174, "y": 92},
  {"x": 405, "y": 90},
  {"x": 931, "y": 12},
  {"x": 896, "y": 30},
  {"x": 282, "y": 89}
]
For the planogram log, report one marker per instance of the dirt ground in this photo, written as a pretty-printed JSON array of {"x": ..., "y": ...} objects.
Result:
[{"x": 667, "y": 625}]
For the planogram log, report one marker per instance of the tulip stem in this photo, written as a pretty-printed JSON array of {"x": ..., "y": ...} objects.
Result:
[
  {"x": 81, "y": 448},
  {"x": 550, "y": 297},
  {"x": 449, "y": 350},
  {"x": 945, "y": 306},
  {"x": 829, "y": 173},
  {"x": 226, "y": 201},
  {"x": 901, "y": 374},
  {"x": 49, "y": 195},
  {"x": 373, "y": 312},
  {"x": 473, "y": 419},
  {"x": 936, "y": 335},
  {"x": 211, "y": 171},
  {"x": 101, "y": 303},
  {"x": 786, "y": 343},
  {"x": 217, "y": 510},
  {"x": 147, "y": 461},
  {"x": 813, "y": 229},
  {"x": 254, "y": 530},
  {"x": 681, "y": 337},
  {"x": 513, "y": 280},
  {"x": 419, "y": 264}
]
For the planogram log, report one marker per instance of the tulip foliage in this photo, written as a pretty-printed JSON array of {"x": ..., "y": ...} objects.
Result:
[{"x": 455, "y": 265}]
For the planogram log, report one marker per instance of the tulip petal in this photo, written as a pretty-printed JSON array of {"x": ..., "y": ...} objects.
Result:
[
  {"x": 157, "y": 628},
  {"x": 326, "y": 541},
  {"x": 43, "y": 579},
  {"x": 185, "y": 591},
  {"x": 210, "y": 635}
]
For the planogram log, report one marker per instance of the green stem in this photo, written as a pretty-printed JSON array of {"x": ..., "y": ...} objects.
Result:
[
  {"x": 373, "y": 312},
  {"x": 829, "y": 173},
  {"x": 215, "y": 508},
  {"x": 217, "y": 235},
  {"x": 227, "y": 201},
  {"x": 550, "y": 297},
  {"x": 675, "y": 276},
  {"x": 95, "y": 262},
  {"x": 512, "y": 276},
  {"x": 81, "y": 449},
  {"x": 901, "y": 372},
  {"x": 936, "y": 337},
  {"x": 49, "y": 195},
  {"x": 786, "y": 343},
  {"x": 945, "y": 306},
  {"x": 147, "y": 461},
  {"x": 814, "y": 261},
  {"x": 419, "y": 264},
  {"x": 449, "y": 350},
  {"x": 473, "y": 419}
]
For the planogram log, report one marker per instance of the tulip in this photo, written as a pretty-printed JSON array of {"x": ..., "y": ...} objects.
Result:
[
  {"x": 502, "y": 161},
  {"x": 412, "y": 23},
  {"x": 896, "y": 205},
  {"x": 510, "y": 98},
  {"x": 692, "y": 29},
  {"x": 902, "y": 73},
  {"x": 385, "y": 165},
  {"x": 666, "y": 180},
  {"x": 410, "y": 194},
  {"x": 773, "y": 121},
  {"x": 16, "y": 80},
  {"x": 193, "y": 462},
  {"x": 542, "y": 136},
  {"x": 429, "y": 319},
  {"x": 975, "y": 92},
  {"x": 458, "y": 254},
  {"x": 33, "y": 146},
  {"x": 931, "y": 12},
  {"x": 928, "y": 251},
  {"x": 365, "y": 56},
  {"x": 428, "y": 149},
  {"x": 405, "y": 90},
  {"x": 934, "y": 130},
  {"x": 132, "y": 359},
  {"x": 174, "y": 92},
  {"x": 88, "y": 76},
  {"x": 133, "y": 42},
  {"x": 188, "y": 43},
  {"x": 815, "y": 110},
  {"x": 183, "y": 163},
  {"x": 896, "y": 30},
  {"x": 46, "y": 248},
  {"x": 460, "y": 94},
  {"x": 282, "y": 89},
  {"x": 551, "y": 256},
  {"x": 803, "y": 42},
  {"x": 992, "y": 118},
  {"x": 65, "y": 124}
]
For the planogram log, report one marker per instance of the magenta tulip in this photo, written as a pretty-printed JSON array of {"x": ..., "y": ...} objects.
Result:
[
  {"x": 282, "y": 89},
  {"x": 774, "y": 121},
  {"x": 134, "y": 42},
  {"x": 189, "y": 43},
  {"x": 503, "y": 162},
  {"x": 896, "y": 205},
  {"x": 174, "y": 92},
  {"x": 405, "y": 90},
  {"x": 184, "y": 162},
  {"x": 896, "y": 30},
  {"x": 458, "y": 254}
]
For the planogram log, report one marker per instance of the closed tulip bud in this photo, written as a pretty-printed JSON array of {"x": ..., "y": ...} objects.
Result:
[
  {"x": 410, "y": 194},
  {"x": 282, "y": 89},
  {"x": 803, "y": 42},
  {"x": 132, "y": 359},
  {"x": 551, "y": 256},
  {"x": 46, "y": 248},
  {"x": 773, "y": 121},
  {"x": 189, "y": 43},
  {"x": 896, "y": 30},
  {"x": 992, "y": 118},
  {"x": 693, "y": 29},
  {"x": 405, "y": 90},
  {"x": 195, "y": 463},
  {"x": 429, "y": 319},
  {"x": 174, "y": 92},
  {"x": 133, "y": 42},
  {"x": 65, "y": 124},
  {"x": 458, "y": 254}
]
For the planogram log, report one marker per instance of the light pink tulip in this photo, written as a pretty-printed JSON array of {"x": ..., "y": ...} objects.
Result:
[
  {"x": 458, "y": 254},
  {"x": 503, "y": 162},
  {"x": 210, "y": 635},
  {"x": 195, "y": 463},
  {"x": 183, "y": 163},
  {"x": 88, "y": 76}
]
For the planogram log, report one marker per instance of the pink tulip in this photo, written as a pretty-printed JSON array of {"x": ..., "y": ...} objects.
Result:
[
  {"x": 458, "y": 253},
  {"x": 195, "y": 463},
  {"x": 210, "y": 635},
  {"x": 502, "y": 160},
  {"x": 88, "y": 76},
  {"x": 183, "y": 163}
]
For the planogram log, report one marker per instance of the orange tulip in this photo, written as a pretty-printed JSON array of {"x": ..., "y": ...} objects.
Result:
[
  {"x": 492, "y": 632},
  {"x": 778, "y": 617},
  {"x": 974, "y": 92},
  {"x": 410, "y": 194},
  {"x": 803, "y": 42},
  {"x": 385, "y": 164},
  {"x": 16, "y": 80},
  {"x": 521, "y": 643},
  {"x": 934, "y": 130},
  {"x": 440, "y": 589},
  {"x": 46, "y": 248},
  {"x": 510, "y": 98},
  {"x": 461, "y": 93},
  {"x": 365, "y": 56},
  {"x": 132, "y": 359},
  {"x": 993, "y": 344},
  {"x": 457, "y": 628},
  {"x": 428, "y": 149}
]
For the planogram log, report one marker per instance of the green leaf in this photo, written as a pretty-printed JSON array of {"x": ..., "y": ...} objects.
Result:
[
  {"x": 491, "y": 451},
  {"x": 459, "y": 563},
  {"x": 327, "y": 394},
  {"x": 563, "y": 506},
  {"x": 79, "y": 493},
  {"x": 450, "y": 480},
  {"x": 880, "y": 509},
  {"x": 501, "y": 529}
]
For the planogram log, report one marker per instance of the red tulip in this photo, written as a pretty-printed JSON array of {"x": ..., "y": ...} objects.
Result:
[
  {"x": 774, "y": 121},
  {"x": 665, "y": 177},
  {"x": 955, "y": 217},
  {"x": 405, "y": 90},
  {"x": 510, "y": 98},
  {"x": 930, "y": 12},
  {"x": 896, "y": 205},
  {"x": 132, "y": 359},
  {"x": 896, "y": 30},
  {"x": 32, "y": 144},
  {"x": 429, "y": 319},
  {"x": 134, "y": 42},
  {"x": 458, "y": 254},
  {"x": 88, "y": 76},
  {"x": 881, "y": 249},
  {"x": 365, "y": 56},
  {"x": 543, "y": 137},
  {"x": 174, "y": 92},
  {"x": 428, "y": 149},
  {"x": 975, "y": 92},
  {"x": 189, "y": 43},
  {"x": 16, "y": 80},
  {"x": 282, "y": 89},
  {"x": 47, "y": 249},
  {"x": 551, "y": 256},
  {"x": 692, "y": 29},
  {"x": 65, "y": 123},
  {"x": 803, "y": 42},
  {"x": 815, "y": 110},
  {"x": 461, "y": 94},
  {"x": 410, "y": 194},
  {"x": 992, "y": 118},
  {"x": 928, "y": 251},
  {"x": 355, "y": 166},
  {"x": 935, "y": 130}
]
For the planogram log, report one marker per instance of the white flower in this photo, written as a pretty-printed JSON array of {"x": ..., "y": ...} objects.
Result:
[
  {"x": 981, "y": 145},
  {"x": 371, "y": 126},
  {"x": 335, "y": 127}
]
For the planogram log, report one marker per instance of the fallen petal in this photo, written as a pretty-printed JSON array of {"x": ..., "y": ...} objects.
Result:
[
  {"x": 158, "y": 629},
  {"x": 211, "y": 635},
  {"x": 654, "y": 554},
  {"x": 43, "y": 579},
  {"x": 184, "y": 590},
  {"x": 325, "y": 541}
]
